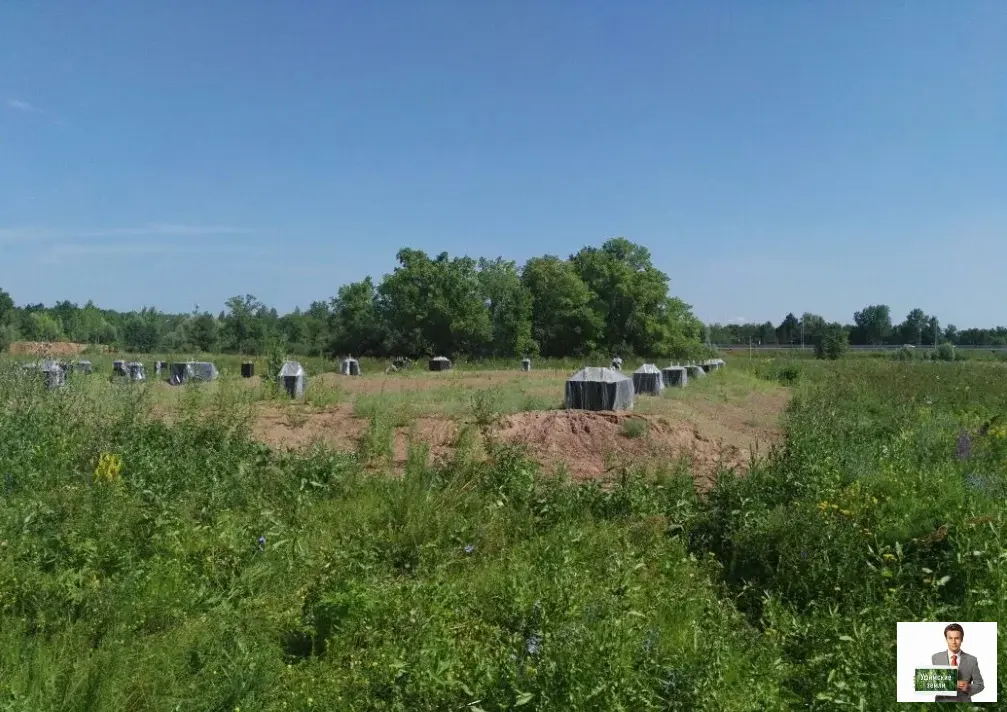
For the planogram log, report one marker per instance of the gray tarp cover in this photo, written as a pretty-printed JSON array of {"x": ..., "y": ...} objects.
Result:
[
  {"x": 51, "y": 371},
  {"x": 350, "y": 367},
  {"x": 294, "y": 378},
  {"x": 647, "y": 379},
  {"x": 292, "y": 368},
  {"x": 204, "y": 370},
  {"x": 439, "y": 363},
  {"x": 675, "y": 376},
  {"x": 195, "y": 370},
  {"x": 596, "y": 388}
]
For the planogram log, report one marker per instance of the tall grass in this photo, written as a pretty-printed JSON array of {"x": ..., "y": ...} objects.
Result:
[
  {"x": 213, "y": 574},
  {"x": 866, "y": 517}
]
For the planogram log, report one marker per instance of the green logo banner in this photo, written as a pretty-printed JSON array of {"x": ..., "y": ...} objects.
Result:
[{"x": 933, "y": 679}]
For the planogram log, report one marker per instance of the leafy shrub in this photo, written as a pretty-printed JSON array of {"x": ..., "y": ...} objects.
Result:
[
  {"x": 831, "y": 342},
  {"x": 784, "y": 372},
  {"x": 863, "y": 518},
  {"x": 7, "y": 336},
  {"x": 945, "y": 352},
  {"x": 633, "y": 428}
]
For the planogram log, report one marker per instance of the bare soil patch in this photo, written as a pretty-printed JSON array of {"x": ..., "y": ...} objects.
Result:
[
  {"x": 55, "y": 349},
  {"x": 336, "y": 427},
  {"x": 588, "y": 444},
  {"x": 593, "y": 445}
]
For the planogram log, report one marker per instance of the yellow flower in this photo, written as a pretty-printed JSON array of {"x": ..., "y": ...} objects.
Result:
[
  {"x": 889, "y": 557},
  {"x": 108, "y": 468}
]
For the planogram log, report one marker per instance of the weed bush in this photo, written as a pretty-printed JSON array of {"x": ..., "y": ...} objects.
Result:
[
  {"x": 153, "y": 567},
  {"x": 146, "y": 566},
  {"x": 871, "y": 513}
]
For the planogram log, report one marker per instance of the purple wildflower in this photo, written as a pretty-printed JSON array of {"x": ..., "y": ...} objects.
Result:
[
  {"x": 469, "y": 548},
  {"x": 533, "y": 645},
  {"x": 262, "y": 543}
]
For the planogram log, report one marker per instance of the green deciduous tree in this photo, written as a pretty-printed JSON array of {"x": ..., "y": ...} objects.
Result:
[
  {"x": 630, "y": 297},
  {"x": 202, "y": 332},
  {"x": 911, "y": 330},
  {"x": 434, "y": 307},
  {"x": 243, "y": 325},
  {"x": 355, "y": 326},
  {"x": 610, "y": 298},
  {"x": 142, "y": 332},
  {"x": 564, "y": 321},
  {"x": 510, "y": 308},
  {"x": 873, "y": 325},
  {"x": 789, "y": 330},
  {"x": 831, "y": 341}
]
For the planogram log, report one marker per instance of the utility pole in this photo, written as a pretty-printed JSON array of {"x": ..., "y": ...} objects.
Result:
[{"x": 802, "y": 334}]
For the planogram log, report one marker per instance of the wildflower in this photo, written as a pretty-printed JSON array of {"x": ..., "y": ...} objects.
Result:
[
  {"x": 888, "y": 557},
  {"x": 108, "y": 468},
  {"x": 533, "y": 644},
  {"x": 262, "y": 543},
  {"x": 804, "y": 554},
  {"x": 469, "y": 548}
]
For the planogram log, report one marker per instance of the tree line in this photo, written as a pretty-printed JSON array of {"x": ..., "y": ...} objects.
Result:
[
  {"x": 872, "y": 326},
  {"x": 609, "y": 299}
]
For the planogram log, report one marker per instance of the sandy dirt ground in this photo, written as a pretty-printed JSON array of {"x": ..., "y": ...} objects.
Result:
[
  {"x": 705, "y": 432},
  {"x": 46, "y": 349}
]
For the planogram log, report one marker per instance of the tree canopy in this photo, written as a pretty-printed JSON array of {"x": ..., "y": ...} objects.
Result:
[
  {"x": 609, "y": 298},
  {"x": 872, "y": 326}
]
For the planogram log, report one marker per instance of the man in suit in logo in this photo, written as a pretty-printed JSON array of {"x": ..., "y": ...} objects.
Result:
[{"x": 970, "y": 680}]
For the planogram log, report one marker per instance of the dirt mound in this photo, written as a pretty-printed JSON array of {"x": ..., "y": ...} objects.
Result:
[
  {"x": 587, "y": 444},
  {"x": 56, "y": 349},
  {"x": 593, "y": 444}
]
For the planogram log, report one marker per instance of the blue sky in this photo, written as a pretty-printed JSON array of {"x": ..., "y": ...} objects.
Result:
[{"x": 773, "y": 156}]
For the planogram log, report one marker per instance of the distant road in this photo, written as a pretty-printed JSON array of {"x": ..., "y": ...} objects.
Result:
[{"x": 797, "y": 347}]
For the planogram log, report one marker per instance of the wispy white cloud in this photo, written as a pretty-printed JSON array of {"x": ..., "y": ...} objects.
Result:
[{"x": 23, "y": 106}]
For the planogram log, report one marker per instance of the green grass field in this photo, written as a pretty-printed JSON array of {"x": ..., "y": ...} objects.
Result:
[{"x": 209, "y": 573}]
